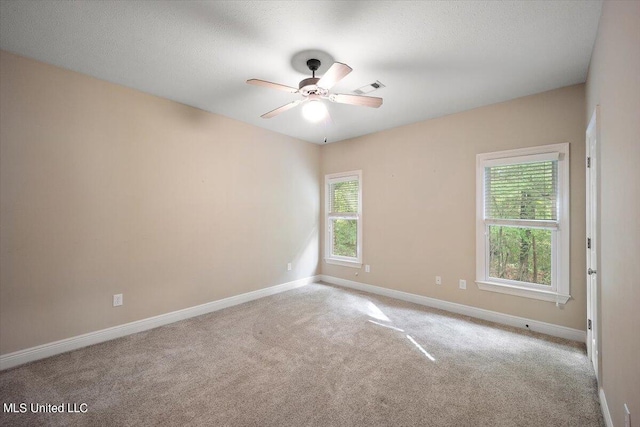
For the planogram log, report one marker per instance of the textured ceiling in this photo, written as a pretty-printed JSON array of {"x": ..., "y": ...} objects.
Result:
[{"x": 435, "y": 58}]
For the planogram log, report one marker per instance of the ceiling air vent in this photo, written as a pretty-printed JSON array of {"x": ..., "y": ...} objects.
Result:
[{"x": 369, "y": 88}]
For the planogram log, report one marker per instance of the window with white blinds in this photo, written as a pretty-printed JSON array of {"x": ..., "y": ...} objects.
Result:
[
  {"x": 344, "y": 195},
  {"x": 343, "y": 226},
  {"x": 523, "y": 222},
  {"x": 526, "y": 191}
]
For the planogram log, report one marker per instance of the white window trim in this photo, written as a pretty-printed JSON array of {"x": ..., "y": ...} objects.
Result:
[
  {"x": 560, "y": 290},
  {"x": 328, "y": 257}
]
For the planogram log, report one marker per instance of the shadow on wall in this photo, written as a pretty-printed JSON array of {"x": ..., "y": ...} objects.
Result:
[{"x": 307, "y": 256}]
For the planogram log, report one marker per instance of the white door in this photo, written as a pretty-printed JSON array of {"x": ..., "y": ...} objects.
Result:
[{"x": 593, "y": 136}]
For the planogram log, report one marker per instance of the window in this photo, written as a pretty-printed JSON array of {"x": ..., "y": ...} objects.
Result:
[
  {"x": 343, "y": 245},
  {"x": 522, "y": 222}
]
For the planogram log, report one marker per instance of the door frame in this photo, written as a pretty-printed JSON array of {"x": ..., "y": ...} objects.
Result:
[{"x": 593, "y": 240}]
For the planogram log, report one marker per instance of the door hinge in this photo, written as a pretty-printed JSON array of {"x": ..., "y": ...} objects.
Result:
[
  {"x": 588, "y": 162},
  {"x": 588, "y": 242},
  {"x": 589, "y": 324}
]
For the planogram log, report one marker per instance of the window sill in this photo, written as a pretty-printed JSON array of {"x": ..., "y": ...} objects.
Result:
[
  {"x": 524, "y": 292},
  {"x": 353, "y": 264}
]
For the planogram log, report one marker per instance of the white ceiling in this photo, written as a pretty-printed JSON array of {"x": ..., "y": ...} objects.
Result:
[{"x": 435, "y": 58}]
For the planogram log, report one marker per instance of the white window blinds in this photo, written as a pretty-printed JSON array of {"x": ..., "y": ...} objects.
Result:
[
  {"x": 525, "y": 191},
  {"x": 343, "y": 196}
]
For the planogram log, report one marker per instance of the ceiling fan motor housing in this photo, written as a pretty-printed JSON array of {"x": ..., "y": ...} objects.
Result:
[{"x": 309, "y": 86}]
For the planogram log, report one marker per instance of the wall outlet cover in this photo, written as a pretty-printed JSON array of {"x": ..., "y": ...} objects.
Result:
[
  {"x": 117, "y": 300},
  {"x": 438, "y": 280},
  {"x": 463, "y": 284}
]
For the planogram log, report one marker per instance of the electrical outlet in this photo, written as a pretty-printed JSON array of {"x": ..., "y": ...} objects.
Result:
[
  {"x": 117, "y": 300},
  {"x": 289, "y": 266},
  {"x": 627, "y": 416},
  {"x": 367, "y": 268},
  {"x": 463, "y": 284},
  {"x": 438, "y": 280}
]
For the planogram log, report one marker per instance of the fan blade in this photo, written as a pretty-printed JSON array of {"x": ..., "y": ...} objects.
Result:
[
  {"x": 282, "y": 109},
  {"x": 271, "y": 85},
  {"x": 337, "y": 72},
  {"x": 365, "y": 101}
]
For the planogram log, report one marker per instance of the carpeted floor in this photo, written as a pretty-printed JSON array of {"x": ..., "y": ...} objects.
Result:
[{"x": 316, "y": 356}]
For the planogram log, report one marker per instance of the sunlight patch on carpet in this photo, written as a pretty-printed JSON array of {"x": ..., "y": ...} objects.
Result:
[
  {"x": 386, "y": 326},
  {"x": 421, "y": 349},
  {"x": 375, "y": 312}
]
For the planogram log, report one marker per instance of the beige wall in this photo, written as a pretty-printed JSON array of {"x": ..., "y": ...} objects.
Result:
[
  {"x": 614, "y": 84},
  {"x": 419, "y": 199},
  {"x": 108, "y": 190}
]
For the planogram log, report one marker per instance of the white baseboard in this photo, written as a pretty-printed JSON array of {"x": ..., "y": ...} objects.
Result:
[
  {"x": 50, "y": 349},
  {"x": 605, "y": 408},
  {"x": 493, "y": 316}
]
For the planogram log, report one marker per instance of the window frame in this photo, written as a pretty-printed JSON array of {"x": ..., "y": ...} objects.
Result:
[
  {"x": 355, "y": 262},
  {"x": 559, "y": 291}
]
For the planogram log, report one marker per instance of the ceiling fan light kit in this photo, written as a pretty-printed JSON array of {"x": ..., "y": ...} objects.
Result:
[
  {"x": 314, "y": 110},
  {"x": 314, "y": 90}
]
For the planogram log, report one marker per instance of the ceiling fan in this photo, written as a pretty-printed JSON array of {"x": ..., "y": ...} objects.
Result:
[{"x": 313, "y": 89}]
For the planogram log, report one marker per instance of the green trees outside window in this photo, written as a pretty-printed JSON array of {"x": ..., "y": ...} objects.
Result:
[
  {"x": 345, "y": 237},
  {"x": 522, "y": 254}
]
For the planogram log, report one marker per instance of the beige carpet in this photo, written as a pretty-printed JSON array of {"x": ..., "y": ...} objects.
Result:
[{"x": 316, "y": 356}]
